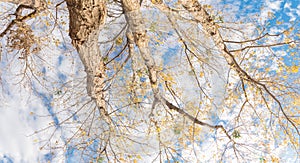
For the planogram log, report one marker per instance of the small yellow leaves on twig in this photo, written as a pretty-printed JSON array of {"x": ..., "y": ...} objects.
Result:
[
  {"x": 158, "y": 129},
  {"x": 122, "y": 159},
  {"x": 296, "y": 101},
  {"x": 194, "y": 130},
  {"x": 287, "y": 32},
  {"x": 294, "y": 69},
  {"x": 90, "y": 142},
  {"x": 278, "y": 22},
  {"x": 236, "y": 134},
  {"x": 47, "y": 23},
  {"x": 167, "y": 77},
  {"x": 119, "y": 41},
  {"x": 287, "y": 40},
  {"x": 156, "y": 1},
  {"x": 270, "y": 15},
  {"x": 274, "y": 159},
  {"x": 207, "y": 6},
  {"x": 137, "y": 100},
  {"x": 280, "y": 69},
  {"x": 57, "y": 42},
  {"x": 83, "y": 133},
  {"x": 297, "y": 121},
  {"x": 201, "y": 74},
  {"x": 139, "y": 73}
]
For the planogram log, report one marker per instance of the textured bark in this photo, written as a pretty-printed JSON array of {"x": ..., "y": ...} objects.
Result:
[
  {"x": 86, "y": 18},
  {"x": 208, "y": 24},
  {"x": 202, "y": 16},
  {"x": 137, "y": 27}
]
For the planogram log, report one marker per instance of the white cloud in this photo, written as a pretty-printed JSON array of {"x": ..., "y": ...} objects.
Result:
[
  {"x": 287, "y": 5},
  {"x": 15, "y": 122},
  {"x": 273, "y": 5},
  {"x": 269, "y": 8}
]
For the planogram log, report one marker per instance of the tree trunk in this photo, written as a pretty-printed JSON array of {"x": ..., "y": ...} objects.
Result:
[{"x": 86, "y": 19}]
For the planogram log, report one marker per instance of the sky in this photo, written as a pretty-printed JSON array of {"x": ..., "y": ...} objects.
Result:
[{"x": 24, "y": 110}]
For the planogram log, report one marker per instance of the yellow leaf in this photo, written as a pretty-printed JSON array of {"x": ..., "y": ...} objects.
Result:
[
  {"x": 294, "y": 69},
  {"x": 166, "y": 77},
  {"x": 47, "y": 23},
  {"x": 275, "y": 159},
  {"x": 293, "y": 53},
  {"x": 122, "y": 159},
  {"x": 119, "y": 41},
  {"x": 137, "y": 100},
  {"x": 57, "y": 42},
  {"x": 286, "y": 32},
  {"x": 201, "y": 74},
  {"x": 297, "y": 121},
  {"x": 207, "y": 6},
  {"x": 296, "y": 101},
  {"x": 139, "y": 73},
  {"x": 270, "y": 14},
  {"x": 83, "y": 133},
  {"x": 278, "y": 22},
  {"x": 287, "y": 40},
  {"x": 280, "y": 69},
  {"x": 156, "y": 1}
]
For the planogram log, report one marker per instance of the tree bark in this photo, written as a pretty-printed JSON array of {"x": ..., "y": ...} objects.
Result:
[
  {"x": 86, "y": 19},
  {"x": 208, "y": 24},
  {"x": 137, "y": 28}
]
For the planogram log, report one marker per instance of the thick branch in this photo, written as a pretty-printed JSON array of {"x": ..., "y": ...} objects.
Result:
[
  {"x": 86, "y": 19},
  {"x": 19, "y": 18},
  {"x": 194, "y": 119},
  {"x": 134, "y": 19},
  {"x": 262, "y": 46},
  {"x": 136, "y": 26},
  {"x": 202, "y": 16}
]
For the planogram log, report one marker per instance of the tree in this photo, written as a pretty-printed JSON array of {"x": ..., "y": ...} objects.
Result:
[{"x": 165, "y": 81}]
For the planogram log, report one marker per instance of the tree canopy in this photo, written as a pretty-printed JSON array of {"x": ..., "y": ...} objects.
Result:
[{"x": 152, "y": 81}]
